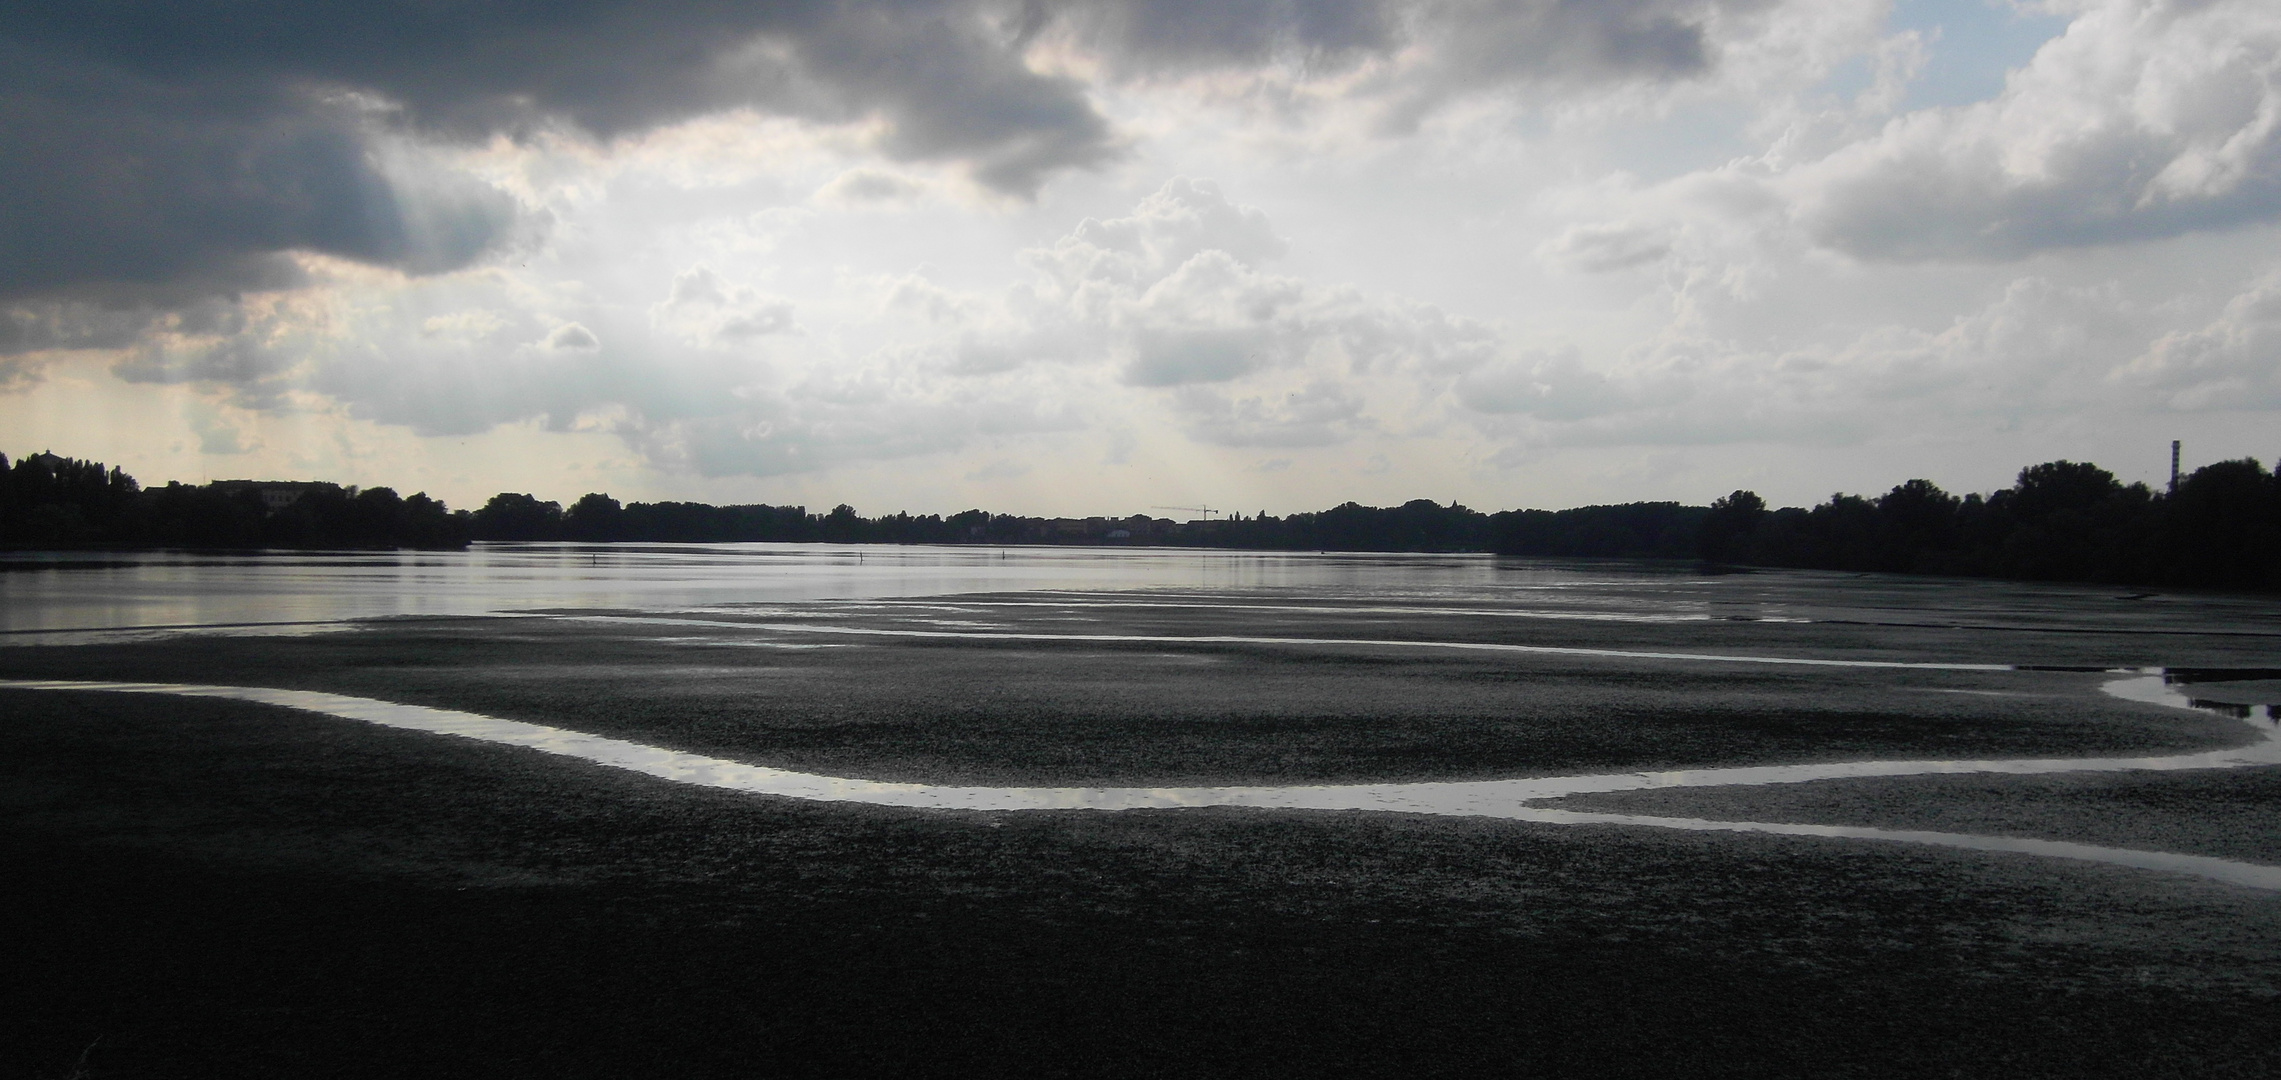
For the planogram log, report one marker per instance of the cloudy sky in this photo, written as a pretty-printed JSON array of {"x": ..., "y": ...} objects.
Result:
[{"x": 1094, "y": 256}]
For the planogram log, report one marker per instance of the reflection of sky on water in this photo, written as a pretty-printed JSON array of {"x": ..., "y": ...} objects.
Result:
[
  {"x": 185, "y": 589},
  {"x": 191, "y": 589}
]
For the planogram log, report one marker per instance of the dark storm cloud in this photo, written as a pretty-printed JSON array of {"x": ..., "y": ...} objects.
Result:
[
  {"x": 183, "y": 145},
  {"x": 155, "y": 146},
  {"x": 114, "y": 179},
  {"x": 1472, "y": 44},
  {"x": 1190, "y": 34},
  {"x": 952, "y": 89}
]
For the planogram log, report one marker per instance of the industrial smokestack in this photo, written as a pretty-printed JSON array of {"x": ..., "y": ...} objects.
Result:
[{"x": 2174, "y": 466}]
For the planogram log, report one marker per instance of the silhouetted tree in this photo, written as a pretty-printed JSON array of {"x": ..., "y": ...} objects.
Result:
[
  {"x": 2061, "y": 521},
  {"x": 2224, "y": 527},
  {"x": 49, "y": 499},
  {"x": 842, "y": 526},
  {"x": 1916, "y": 525},
  {"x": 1730, "y": 528},
  {"x": 509, "y": 516},
  {"x": 594, "y": 517}
]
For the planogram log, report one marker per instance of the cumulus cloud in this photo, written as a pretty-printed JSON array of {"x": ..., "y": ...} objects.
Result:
[
  {"x": 1211, "y": 320},
  {"x": 1179, "y": 221},
  {"x": 2232, "y": 362},
  {"x": 2147, "y": 118},
  {"x": 1168, "y": 303},
  {"x": 1174, "y": 299},
  {"x": 1172, "y": 292},
  {"x": 1171, "y": 310},
  {"x": 680, "y": 382},
  {"x": 1607, "y": 247},
  {"x": 571, "y": 337},
  {"x": 2143, "y": 120},
  {"x": 1175, "y": 295},
  {"x": 704, "y": 309}
]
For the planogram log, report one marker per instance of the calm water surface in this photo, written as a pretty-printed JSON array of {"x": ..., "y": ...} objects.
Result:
[{"x": 89, "y": 590}]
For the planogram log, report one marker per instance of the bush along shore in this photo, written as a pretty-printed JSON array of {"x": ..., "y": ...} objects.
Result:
[{"x": 2061, "y": 521}]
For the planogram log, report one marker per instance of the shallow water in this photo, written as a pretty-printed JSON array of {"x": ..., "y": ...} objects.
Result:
[
  {"x": 1508, "y": 799},
  {"x": 84, "y": 591},
  {"x": 68, "y": 598}
]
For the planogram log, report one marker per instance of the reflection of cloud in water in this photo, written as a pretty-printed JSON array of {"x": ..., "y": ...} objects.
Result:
[{"x": 1509, "y": 799}]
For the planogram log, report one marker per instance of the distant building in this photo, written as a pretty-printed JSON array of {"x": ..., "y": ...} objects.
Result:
[{"x": 275, "y": 494}]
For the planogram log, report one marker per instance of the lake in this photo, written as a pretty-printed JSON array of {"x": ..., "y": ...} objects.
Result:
[
  {"x": 93, "y": 590},
  {"x": 289, "y": 592}
]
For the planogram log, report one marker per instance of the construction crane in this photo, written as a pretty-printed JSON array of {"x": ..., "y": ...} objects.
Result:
[{"x": 1204, "y": 510}]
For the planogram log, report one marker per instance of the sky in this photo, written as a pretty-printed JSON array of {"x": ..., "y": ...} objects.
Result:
[{"x": 1100, "y": 256}]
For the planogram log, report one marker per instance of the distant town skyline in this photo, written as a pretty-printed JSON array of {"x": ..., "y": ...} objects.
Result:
[{"x": 1090, "y": 258}]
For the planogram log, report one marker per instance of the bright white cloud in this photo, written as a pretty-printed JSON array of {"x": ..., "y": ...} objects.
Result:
[
  {"x": 2147, "y": 118},
  {"x": 2231, "y": 363},
  {"x": 702, "y": 309},
  {"x": 1602, "y": 248}
]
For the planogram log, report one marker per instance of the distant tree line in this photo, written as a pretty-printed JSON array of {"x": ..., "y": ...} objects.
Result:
[
  {"x": 1637, "y": 529},
  {"x": 47, "y": 500},
  {"x": 2062, "y": 521},
  {"x": 1628, "y": 530}
]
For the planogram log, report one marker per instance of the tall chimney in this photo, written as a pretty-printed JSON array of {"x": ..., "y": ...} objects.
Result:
[{"x": 2174, "y": 466}]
